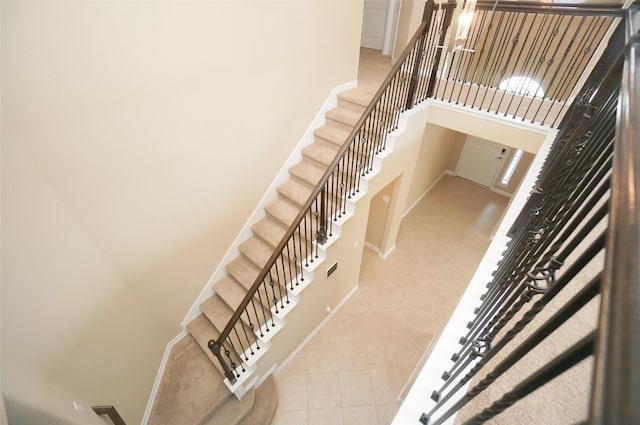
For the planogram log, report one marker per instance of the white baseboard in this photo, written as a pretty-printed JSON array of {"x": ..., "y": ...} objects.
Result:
[
  {"x": 159, "y": 374},
  {"x": 271, "y": 194}
]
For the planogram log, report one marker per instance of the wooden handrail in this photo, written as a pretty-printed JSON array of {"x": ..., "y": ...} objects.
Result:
[{"x": 111, "y": 412}]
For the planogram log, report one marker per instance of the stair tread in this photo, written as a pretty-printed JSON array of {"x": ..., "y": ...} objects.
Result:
[
  {"x": 344, "y": 116},
  {"x": 359, "y": 95},
  {"x": 217, "y": 311},
  {"x": 270, "y": 230},
  {"x": 322, "y": 152},
  {"x": 232, "y": 411},
  {"x": 335, "y": 135},
  {"x": 307, "y": 171},
  {"x": 243, "y": 271},
  {"x": 230, "y": 292},
  {"x": 191, "y": 387},
  {"x": 296, "y": 192},
  {"x": 283, "y": 211},
  {"x": 257, "y": 251}
]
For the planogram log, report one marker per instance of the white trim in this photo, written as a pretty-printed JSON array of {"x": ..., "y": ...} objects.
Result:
[
  {"x": 372, "y": 247},
  {"x": 271, "y": 194},
  {"x": 316, "y": 330},
  {"x": 391, "y": 28},
  {"x": 491, "y": 116},
  {"x": 159, "y": 375},
  {"x": 384, "y": 255},
  {"x": 501, "y": 192},
  {"x": 425, "y": 192}
]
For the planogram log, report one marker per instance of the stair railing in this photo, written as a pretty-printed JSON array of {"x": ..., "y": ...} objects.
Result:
[
  {"x": 405, "y": 86},
  {"x": 588, "y": 208},
  {"x": 524, "y": 59}
]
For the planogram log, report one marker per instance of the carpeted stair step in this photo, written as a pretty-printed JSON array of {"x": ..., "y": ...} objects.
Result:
[
  {"x": 308, "y": 172},
  {"x": 295, "y": 192},
  {"x": 264, "y": 405},
  {"x": 355, "y": 100},
  {"x": 232, "y": 294},
  {"x": 321, "y": 152},
  {"x": 233, "y": 411},
  {"x": 243, "y": 271},
  {"x": 331, "y": 134},
  {"x": 269, "y": 230},
  {"x": 217, "y": 311},
  {"x": 282, "y": 211},
  {"x": 256, "y": 250},
  {"x": 203, "y": 331},
  {"x": 342, "y": 118},
  {"x": 191, "y": 387}
]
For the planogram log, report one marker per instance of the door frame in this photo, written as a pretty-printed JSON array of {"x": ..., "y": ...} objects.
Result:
[
  {"x": 391, "y": 26},
  {"x": 391, "y": 29}
]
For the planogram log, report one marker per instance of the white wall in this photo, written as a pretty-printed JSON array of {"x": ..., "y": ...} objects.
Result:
[{"x": 137, "y": 138}]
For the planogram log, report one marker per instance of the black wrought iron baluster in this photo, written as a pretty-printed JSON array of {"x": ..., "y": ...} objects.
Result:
[
  {"x": 350, "y": 177},
  {"x": 240, "y": 343},
  {"x": 291, "y": 277},
  {"x": 523, "y": 49},
  {"x": 573, "y": 76},
  {"x": 475, "y": 78},
  {"x": 316, "y": 214},
  {"x": 568, "y": 57},
  {"x": 510, "y": 43},
  {"x": 539, "y": 54},
  {"x": 492, "y": 33},
  {"x": 249, "y": 343},
  {"x": 504, "y": 73},
  {"x": 340, "y": 191},
  {"x": 307, "y": 241},
  {"x": 333, "y": 202},
  {"x": 535, "y": 253},
  {"x": 550, "y": 62},
  {"x": 576, "y": 303},
  {"x": 503, "y": 33},
  {"x": 262, "y": 303},
  {"x": 255, "y": 312},
  {"x": 300, "y": 254}
]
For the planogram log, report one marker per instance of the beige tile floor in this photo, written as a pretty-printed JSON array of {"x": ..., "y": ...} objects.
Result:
[{"x": 353, "y": 370}]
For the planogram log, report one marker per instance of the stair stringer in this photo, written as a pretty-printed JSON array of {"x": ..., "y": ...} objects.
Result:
[{"x": 321, "y": 294}]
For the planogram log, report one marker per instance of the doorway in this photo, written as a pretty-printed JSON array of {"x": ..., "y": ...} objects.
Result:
[
  {"x": 481, "y": 160},
  {"x": 379, "y": 25}
]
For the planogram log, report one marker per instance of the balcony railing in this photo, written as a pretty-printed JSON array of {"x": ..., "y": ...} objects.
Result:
[
  {"x": 576, "y": 244},
  {"x": 524, "y": 59}
]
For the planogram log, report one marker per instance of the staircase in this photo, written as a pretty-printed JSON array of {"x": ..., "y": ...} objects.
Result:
[{"x": 192, "y": 389}]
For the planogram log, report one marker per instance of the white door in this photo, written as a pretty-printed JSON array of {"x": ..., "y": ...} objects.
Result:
[
  {"x": 480, "y": 161},
  {"x": 374, "y": 23}
]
